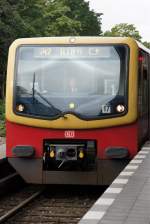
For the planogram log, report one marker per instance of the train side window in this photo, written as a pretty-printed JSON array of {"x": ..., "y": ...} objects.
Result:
[{"x": 145, "y": 75}]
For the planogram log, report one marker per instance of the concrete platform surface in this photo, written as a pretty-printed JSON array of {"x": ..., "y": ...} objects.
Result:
[
  {"x": 2, "y": 151},
  {"x": 127, "y": 200}
]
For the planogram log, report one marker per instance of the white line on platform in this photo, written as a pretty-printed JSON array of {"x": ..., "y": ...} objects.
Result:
[
  {"x": 136, "y": 161},
  {"x": 140, "y": 156},
  {"x": 124, "y": 173},
  {"x": 146, "y": 147},
  {"x": 120, "y": 181},
  {"x": 143, "y": 152},
  {"x": 131, "y": 167},
  {"x": 114, "y": 190},
  {"x": 104, "y": 201},
  {"x": 94, "y": 215}
]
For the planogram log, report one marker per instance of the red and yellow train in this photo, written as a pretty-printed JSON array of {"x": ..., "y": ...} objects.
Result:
[{"x": 77, "y": 108}]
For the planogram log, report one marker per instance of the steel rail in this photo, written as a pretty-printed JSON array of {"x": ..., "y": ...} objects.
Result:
[
  {"x": 7, "y": 178},
  {"x": 13, "y": 211}
]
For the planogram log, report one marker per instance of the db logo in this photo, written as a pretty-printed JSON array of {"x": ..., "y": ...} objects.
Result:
[{"x": 69, "y": 134}]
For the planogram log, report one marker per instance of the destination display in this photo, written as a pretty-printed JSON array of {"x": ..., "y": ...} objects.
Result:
[{"x": 65, "y": 52}]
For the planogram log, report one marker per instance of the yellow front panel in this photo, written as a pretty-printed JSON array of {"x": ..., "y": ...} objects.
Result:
[{"x": 71, "y": 121}]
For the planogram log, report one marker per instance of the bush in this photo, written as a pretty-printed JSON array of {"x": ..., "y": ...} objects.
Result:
[{"x": 2, "y": 118}]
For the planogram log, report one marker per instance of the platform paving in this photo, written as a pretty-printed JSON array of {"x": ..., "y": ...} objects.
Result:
[
  {"x": 2, "y": 151},
  {"x": 127, "y": 200}
]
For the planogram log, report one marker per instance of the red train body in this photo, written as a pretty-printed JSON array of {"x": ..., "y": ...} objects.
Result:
[{"x": 63, "y": 150}]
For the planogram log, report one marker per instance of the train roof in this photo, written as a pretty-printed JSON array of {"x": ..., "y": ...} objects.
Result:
[
  {"x": 80, "y": 40},
  {"x": 141, "y": 46}
]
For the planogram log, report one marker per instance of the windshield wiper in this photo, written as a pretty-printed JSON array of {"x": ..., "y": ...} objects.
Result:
[{"x": 59, "y": 112}]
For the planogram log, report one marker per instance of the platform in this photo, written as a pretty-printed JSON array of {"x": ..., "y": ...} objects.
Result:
[
  {"x": 127, "y": 200},
  {"x": 2, "y": 151}
]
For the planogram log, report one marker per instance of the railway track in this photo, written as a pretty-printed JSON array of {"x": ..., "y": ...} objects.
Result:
[
  {"x": 53, "y": 205},
  {"x": 13, "y": 202},
  {"x": 9, "y": 179},
  {"x": 5, "y": 168}
]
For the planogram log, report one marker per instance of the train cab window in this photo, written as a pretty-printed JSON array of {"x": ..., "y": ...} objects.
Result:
[{"x": 51, "y": 79}]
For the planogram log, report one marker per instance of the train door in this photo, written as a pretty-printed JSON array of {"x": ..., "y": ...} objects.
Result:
[{"x": 143, "y": 97}]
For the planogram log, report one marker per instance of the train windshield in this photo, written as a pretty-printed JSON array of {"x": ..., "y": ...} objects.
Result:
[{"x": 87, "y": 81}]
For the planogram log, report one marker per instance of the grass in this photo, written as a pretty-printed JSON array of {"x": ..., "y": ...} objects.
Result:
[{"x": 2, "y": 119}]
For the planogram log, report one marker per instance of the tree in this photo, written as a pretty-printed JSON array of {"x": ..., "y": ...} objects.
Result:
[
  {"x": 10, "y": 21},
  {"x": 90, "y": 21},
  {"x": 57, "y": 20},
  {"x": 34, "y": 18},
  {"x": 124, "y": 30},
  {"x": 146, "y": 44}
]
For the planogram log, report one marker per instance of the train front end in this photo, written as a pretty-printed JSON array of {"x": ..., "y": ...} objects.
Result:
[{"x": 71, "y": 108}]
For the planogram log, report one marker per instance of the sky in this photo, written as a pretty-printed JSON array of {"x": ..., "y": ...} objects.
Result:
[{"x": 135, "y": 12}]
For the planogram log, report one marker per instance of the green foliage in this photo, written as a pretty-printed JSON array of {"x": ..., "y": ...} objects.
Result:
[
  {"x": 147, "y": 44},
  {"x": 124, "y": 30},
  {"x": 2, "y": 118},
  {"x": 90, "y": 21},
  {"x": 57, "y": 22},
  {"x": 34, "y": 18}
]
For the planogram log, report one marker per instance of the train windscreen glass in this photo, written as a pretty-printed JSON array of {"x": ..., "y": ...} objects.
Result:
[{"x": 87, "y": 81}]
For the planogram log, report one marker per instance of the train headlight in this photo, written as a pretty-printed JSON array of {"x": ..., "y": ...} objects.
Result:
[
  {"x": 71, "y": 105},
  {"x": 81, "y": 154},
  {"x": 20, "y": 108},
  {"x": 52, "y": 154},
  {"x": 72, "y": 40},
  {"x": 120, "y": 108}
]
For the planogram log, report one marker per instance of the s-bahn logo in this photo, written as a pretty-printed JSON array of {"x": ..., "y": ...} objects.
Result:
[{"x": 69, "y": 134}]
